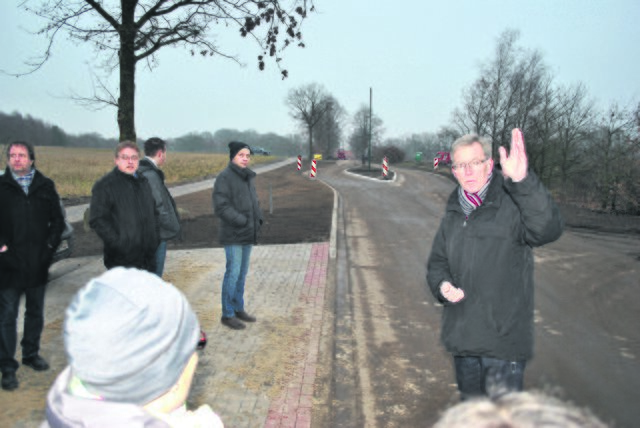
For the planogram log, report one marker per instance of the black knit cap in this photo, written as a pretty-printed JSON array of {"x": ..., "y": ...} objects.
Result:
[{"x": 236, "y": 146}]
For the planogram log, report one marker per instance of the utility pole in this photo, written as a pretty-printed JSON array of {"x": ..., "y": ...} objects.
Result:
[{"x": 370, "y": 123}]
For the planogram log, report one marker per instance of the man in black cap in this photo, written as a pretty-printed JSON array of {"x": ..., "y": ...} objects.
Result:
[{"x": 235, "y": 203}]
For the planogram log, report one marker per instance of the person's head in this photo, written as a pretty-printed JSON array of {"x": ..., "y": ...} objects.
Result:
[
  {"x": 156, "y": 148},
  {"x": 471, "y": 161},
  {"x": 127, "y": 157},
  {"x": 240, "y": 153},
  {"x": 517, "y": 410},
  {"x": 21, "y": 157},
  {"x": 131, "y": 337}
]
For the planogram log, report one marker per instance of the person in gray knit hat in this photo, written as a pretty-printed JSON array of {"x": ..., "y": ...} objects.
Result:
[{"x": 130, "y": 340}]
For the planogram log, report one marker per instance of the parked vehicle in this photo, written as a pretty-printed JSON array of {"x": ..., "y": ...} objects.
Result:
[{"x": 260, "y": 151}]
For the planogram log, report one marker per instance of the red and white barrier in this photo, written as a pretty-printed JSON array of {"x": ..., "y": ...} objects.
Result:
[
  {"x": 299, "y": 162},
  {"x": 385, "y": 168},
  {"x": 314, "y": 169},
  {"x": 436, "y": 161}
]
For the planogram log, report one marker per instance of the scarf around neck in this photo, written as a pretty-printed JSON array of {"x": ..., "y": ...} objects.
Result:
[{"x": 470, "y": 201}]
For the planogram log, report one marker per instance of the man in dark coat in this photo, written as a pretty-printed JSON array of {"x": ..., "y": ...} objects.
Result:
[
  {"x": 155, "y": 150},
  {"x": 123, "y": 213},
  {"x": 235, "y": 203},
  {"x": 481, "y": 264},
  {"x": 31, "y": 223}
]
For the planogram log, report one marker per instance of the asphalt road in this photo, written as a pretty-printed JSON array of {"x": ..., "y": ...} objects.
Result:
[{"x": 390, "y": 368}]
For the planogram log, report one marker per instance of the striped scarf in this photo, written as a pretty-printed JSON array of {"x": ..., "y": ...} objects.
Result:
[
  {"x": 25, "y": 180},
  {"x": 471, "y": 201}
]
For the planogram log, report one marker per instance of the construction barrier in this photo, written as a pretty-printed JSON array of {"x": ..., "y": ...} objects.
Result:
[
  {"x": 299, "y": 162},
  {"x": 436, "y": 161},
  {"x": 314, "y": 169},
  {"x": 385, "y": 168}
]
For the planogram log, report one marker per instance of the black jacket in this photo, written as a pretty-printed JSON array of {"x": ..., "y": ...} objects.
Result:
[
  {"x": 123, "y": 214},
  {"x": 168, "y": 218},
  {"x": 235, "y": 202},
  {"x": 490, "y": 257},
  {"x": 30, "y": 226}
]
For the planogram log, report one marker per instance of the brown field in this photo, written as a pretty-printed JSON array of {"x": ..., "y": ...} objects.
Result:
[{"x": 75, "y": 170}]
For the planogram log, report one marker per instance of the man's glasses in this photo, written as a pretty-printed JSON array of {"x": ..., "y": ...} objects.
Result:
[
  {"x": 129, "y": 158},
  {"x": 474, "y": 164}
]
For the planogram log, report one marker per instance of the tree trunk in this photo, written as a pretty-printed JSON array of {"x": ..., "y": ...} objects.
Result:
[
  {"x": 126, "y": 101},
  {"x": 310, "y": 143}
]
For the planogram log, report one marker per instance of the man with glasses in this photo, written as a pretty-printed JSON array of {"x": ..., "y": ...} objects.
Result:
[
  {"x": 31, "y": 224},
  {"x": 481, "y": 264},
  {"x": 123, "y": 213}
]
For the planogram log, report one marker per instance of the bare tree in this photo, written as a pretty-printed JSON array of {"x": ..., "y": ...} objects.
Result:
[
  {"x": 362, "y": 127},
  {"x": 308, "y": 104},
  {"x": 127, "y": 32},
  {"x": 329, "y": 129}
]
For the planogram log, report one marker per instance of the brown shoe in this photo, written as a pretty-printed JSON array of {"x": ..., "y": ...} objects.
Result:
[
  {"x": 245, "y": 316},
  {"x": 232, "y": 322}
]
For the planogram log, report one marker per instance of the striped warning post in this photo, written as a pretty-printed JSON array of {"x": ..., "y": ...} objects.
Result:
[
  {"x": 314, "y": 169},
  {"x": 299, "y": 162},
  {"x": 436, "y": 161},
  {"x": 385, "y": 168}
]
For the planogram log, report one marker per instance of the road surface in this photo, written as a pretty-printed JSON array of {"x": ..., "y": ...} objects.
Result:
[{"x": 392, "y": 371}]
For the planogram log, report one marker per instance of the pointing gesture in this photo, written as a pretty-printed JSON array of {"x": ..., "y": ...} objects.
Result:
[{"x": 515, "y": 164}]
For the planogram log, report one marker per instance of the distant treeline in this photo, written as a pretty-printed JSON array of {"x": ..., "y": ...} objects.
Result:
[{"x": 15, "y": 126}]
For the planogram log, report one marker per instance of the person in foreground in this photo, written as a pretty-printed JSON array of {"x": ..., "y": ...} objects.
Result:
[
  {"x": 130, "y": 340},
  {"x": 235, "y": 203},
  {"x": 481, "y": 264},
  {"x": 518, "y": 410},
  {"x": 123, "y": 213},
  {"x": 155, "y": 150},
  {"x": 31, "y": 224}
]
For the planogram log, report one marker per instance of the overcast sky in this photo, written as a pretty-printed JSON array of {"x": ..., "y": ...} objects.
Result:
[{"x": 417, "y": 55}]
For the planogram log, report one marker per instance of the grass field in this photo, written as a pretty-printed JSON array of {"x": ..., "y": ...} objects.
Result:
[{"x": 75, "y": 170}]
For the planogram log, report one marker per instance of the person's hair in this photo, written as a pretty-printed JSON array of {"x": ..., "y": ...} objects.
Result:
[
  {"x": 153, "y": 145},
  {"x": 28, "y": 146},
  {"x": 518, "y": 410},
  {"x": 127, "y": 144},
  {"x": 469, "y": 139}
]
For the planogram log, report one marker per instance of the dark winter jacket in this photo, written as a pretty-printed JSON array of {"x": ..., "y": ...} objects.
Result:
[
  {"x": 30, "y": 226},
  {"x": 168, "y": 218},
  {"x": 235, "y": 202},
  {"x": 123, "y": 214},
  {"x": 490, "y": 257}
]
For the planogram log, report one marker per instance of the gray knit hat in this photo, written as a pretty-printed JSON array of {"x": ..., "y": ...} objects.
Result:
[{"x": 129, "y": 335}]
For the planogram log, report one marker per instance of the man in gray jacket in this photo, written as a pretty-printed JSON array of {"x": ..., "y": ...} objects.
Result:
[
  {"x": 235, "y": 203},
  {"x": 155, "y": 150},
  {"x": 481, "y": 264}
]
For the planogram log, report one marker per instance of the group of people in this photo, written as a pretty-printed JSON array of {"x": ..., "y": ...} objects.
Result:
[
  {"x": 140, "y": 370},
  {"x": 480, "y": 269}
]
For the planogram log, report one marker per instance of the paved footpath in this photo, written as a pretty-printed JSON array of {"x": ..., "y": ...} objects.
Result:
[{"x": 262, "y": 376}]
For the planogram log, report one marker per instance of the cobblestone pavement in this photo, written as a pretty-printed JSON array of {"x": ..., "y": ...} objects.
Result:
[{"x": 261, "y": 376}]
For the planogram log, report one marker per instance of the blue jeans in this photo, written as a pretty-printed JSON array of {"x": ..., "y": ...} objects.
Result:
[
  {"x": 33, "y": 324},
  {"x": 161, "y": 255},
  {"x": 234, "y": 277},
  {"x": 487, "y": 376}
]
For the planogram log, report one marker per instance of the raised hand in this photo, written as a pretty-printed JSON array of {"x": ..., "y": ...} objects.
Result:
[{"x": 515, "y": 164}]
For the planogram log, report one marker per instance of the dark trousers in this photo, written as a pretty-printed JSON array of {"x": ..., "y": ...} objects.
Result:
[
  {"x": 33, "y": 324},
  {"x": 492, "y": 377}
]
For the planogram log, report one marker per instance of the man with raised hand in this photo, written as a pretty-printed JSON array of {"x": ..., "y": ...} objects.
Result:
[{"x": 481, "y": 264}]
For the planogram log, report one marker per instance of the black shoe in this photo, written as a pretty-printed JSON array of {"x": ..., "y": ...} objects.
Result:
[
  {"x": 36, "y": 362},
  {"x": 232, "y": 322},
  {"x": 245, "y": 316},
  {"x": 9, "y": 381}
]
